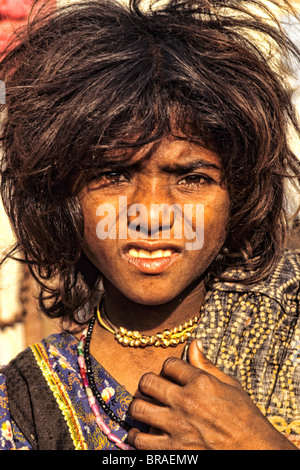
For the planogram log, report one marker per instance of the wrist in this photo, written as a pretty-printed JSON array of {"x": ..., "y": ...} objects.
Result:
[{"x": 275, "y": 441}]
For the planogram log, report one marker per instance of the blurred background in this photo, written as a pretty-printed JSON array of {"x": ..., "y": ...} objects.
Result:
[{"x": 21, "y": 323}]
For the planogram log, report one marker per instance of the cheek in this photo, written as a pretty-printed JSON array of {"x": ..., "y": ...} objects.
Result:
[
  {"x": 216, "y": 217},
  {"x": 214, "y": 232},
  {"x": 212, "y": 218},
  {"x": 98, "y": 251},
  {"x": 95, "y": 246}
]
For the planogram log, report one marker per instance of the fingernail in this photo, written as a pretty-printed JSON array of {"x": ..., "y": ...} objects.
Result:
[{"x": 199, "y": 345}]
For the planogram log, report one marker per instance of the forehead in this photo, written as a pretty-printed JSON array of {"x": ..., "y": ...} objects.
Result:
[{"x": 168, "y": 153}]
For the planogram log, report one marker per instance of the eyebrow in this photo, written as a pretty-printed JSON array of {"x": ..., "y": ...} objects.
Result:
[
  {"x": 114, "y": 164},
  {"x": 172, "y": 168},
  {"x": 191, "y": 166}
]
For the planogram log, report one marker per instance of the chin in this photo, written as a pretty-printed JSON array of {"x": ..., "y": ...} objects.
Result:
[{"x": 145, "y": 298}]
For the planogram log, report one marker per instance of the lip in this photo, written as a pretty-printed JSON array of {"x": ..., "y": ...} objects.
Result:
[{"x": 148, "y": 265}]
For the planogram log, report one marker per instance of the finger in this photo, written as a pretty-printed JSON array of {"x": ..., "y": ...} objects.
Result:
[
  {"x": 159, "y": 388},
  {"x": 143, "y": 441},
  {"x": 178, "y": 371},
  {"x": 148, "y": 413},
  {"x": 198, "y": 359}
]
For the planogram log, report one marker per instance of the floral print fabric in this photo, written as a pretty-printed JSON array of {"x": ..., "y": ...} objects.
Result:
[{"x": 61, "y": 362}]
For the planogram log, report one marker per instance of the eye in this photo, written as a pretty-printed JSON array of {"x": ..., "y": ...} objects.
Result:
[
  {"x": 195, "y": 180},
  {"x": 113, "y": 177}
]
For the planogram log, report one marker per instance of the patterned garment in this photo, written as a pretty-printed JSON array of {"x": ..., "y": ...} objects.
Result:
[
  {"x": 56, "y": 359},
  {"x": 251, "y": 333}
]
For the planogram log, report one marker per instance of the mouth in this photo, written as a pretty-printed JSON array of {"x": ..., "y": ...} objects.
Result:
[{"x": 151, "y": 258}]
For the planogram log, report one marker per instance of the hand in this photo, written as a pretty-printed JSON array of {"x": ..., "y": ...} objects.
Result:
[{"x": 196, "y": 406}]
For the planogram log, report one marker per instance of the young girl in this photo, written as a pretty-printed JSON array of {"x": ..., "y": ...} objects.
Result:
[{"x": 145, "y": 165}]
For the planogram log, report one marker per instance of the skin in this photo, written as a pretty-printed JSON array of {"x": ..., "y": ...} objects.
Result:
[
  {"x": 224, "y": 418},
  {"x": 211, "y": 409},
  {"x": 153, "y": 181}
]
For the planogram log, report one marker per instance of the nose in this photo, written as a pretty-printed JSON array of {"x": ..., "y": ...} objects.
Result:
[{"x": 151, "y": 214}]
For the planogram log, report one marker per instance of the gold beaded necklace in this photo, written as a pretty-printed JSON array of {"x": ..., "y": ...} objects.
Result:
[{"x": 135, "y": 339}]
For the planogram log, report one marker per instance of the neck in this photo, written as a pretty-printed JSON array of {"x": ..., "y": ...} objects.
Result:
[{"x": 149, "y": 319}]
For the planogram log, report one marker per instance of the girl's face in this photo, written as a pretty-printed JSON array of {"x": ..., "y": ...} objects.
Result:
[{"x": 154, "y": 225}]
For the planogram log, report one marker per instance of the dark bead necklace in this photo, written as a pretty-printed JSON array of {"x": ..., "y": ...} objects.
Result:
[{"x": 91, "y": 378}]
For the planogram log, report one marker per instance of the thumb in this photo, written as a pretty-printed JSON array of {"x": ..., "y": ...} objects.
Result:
[{"x": 197, "y": 358}]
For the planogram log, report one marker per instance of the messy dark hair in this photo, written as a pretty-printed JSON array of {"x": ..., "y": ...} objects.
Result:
[{"x": 96, "y": 76}]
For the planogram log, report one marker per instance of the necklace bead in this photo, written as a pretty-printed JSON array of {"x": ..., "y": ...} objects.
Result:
[
  {"x": 167, "y": 338},
  {"x": 93, "y": 395}
]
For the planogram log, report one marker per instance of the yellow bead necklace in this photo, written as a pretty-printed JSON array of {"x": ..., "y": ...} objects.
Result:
[{"x": 135, "y": 339}]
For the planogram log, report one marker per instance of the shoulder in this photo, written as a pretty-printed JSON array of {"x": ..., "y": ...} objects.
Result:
[
  {"x": 13, "y": 394},
  {"x": 6, "y": 438},
  {"x": 281, "y": 286},
  {"x": 25, "y": 371},
  {"x": 252, "y": 332},
  {"x": 30, "y": 397},
  {"x": 54, "y": 345},
  {"x": 19, "y": 369}
]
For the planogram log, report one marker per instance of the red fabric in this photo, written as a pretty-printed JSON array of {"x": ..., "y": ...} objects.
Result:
[
  {"x": 14, "y": 9},
  {"x": 6, "y": 30},
  {"x": 13, "y": 14}
]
